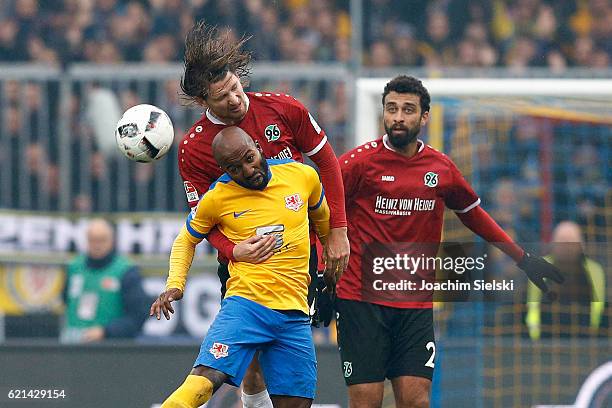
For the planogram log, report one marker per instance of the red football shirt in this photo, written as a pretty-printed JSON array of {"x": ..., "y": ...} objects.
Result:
[
  {"x": 279, "y": 123},
  {"x": 393, "y": 199}
]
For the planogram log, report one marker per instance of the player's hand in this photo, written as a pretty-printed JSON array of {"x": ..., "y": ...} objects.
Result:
[
  {"x": 322, "y": 306},
  {"x": 330, "y": 279},
  {"x": 537, "y": 268},
  {"x": 337, "y": 251},
  {"x": 256, "y": 249},
  {"x": 326, "y": 306},
  {"x": 163, "y": 303}
]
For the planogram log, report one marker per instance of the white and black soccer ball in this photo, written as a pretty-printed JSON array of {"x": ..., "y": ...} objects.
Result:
[{"x": 144, "y": 133}]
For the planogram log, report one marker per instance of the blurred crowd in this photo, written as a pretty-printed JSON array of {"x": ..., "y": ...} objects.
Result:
[
  {"x": 489, "y": 33},
  {"x": 97, "y": 165},
  {"x": 431, "y": 33},
  {"x": 35, "y": 160},
  {"x": 434, "y": 33},
  {"x": 541, "y": 169}
]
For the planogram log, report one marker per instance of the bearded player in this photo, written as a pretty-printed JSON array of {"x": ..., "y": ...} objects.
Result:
[
  {"x": 400, "y": 343},
  {"x": 282, "y": 127}
]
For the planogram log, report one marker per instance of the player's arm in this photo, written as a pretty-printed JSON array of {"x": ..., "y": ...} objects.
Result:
[
  {"x": 255, "y": 249},
  {"x": 337, "y": 249},
  {"x": 466, "y": 204},
  {"x": 331, "y": 177},
  {"x": 536, "y": 267},
  {"x": 312, "y": 141},
  {"x": 318, "y": 211},
  {"x": 197, "y": 183},
  {"x": 199, "y": 223}
]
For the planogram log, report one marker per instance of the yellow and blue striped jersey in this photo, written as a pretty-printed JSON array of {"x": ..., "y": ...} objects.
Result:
[{"x": 293, "y": 196}]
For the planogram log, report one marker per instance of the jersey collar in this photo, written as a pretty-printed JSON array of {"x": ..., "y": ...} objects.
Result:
[
  {"x": 218, "y": 121},
  {"x": 389, "y": 147}
]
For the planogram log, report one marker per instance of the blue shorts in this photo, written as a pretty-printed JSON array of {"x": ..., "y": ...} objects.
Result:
[{"x": 287, "y": 357}]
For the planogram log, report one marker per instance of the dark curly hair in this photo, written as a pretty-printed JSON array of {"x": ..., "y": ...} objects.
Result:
[
  {"x": 209, "y": 56},
  {"x": 407, "y": 84}
]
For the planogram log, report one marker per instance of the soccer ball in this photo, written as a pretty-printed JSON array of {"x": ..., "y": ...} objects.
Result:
[{"x": 144, "y": 133}]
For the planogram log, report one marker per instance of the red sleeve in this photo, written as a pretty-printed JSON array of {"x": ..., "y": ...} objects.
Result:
[
  {"x": 459, "y": 195},
  {"x": 479, "y": 221},
  {"x": 224, "y": 246},
  {"x": 309, "y": 137},
  {"x": 331, "y": 177}
]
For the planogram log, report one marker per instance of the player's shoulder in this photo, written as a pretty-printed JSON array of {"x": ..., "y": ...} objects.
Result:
[
  {"x": 196, "y": 128},
  {"x": 196, "y": 142},
  {"x": 288, "y": 164},
  {"x": 219, "y": 184},
  {"x": 433, "y": 154},
  {"x": 273, "y": 98},
  {"x": 361, "y": 153},
  {"x": 291, "y": 166},
  {"x": 281, "y": 162},
  {"x": 201, "y": 130}
]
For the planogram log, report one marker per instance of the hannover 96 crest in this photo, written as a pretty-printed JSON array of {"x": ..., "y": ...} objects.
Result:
[
  {"x": 272, "y": 133},
  {"x": 431, "y": 179}
]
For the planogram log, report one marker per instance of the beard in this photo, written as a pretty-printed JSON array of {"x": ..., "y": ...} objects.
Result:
[
  {"x": 401, "y": 139},
  {"x": 255, "y": 182}
]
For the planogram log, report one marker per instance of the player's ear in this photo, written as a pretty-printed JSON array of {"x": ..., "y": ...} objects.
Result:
[{"x": 424, "y": 118}]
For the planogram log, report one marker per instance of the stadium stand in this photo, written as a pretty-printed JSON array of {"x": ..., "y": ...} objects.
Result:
[
  {"x": 461, "y": 33},
  {"x": 64, "y": 62}
]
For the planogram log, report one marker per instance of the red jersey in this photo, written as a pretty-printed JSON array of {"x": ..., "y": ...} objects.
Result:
[
  {"x": 392, "y": 199},
  {"x": 279, "y": 123}
]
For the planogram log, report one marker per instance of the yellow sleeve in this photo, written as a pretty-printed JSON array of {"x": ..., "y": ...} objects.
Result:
[
  {"x": 318, "y": 210},
  {"x": 181, "y": 257},
  {"x": 199, "y": 222},
  {"x": 202, "y": 218}
]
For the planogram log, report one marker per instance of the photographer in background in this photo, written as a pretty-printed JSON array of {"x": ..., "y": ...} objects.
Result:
[
  {"x": 582, "y": 297},
  {"x": 103, "y": 295}
]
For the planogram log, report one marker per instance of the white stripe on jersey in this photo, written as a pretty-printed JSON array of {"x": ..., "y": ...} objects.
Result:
[
  {"x": 475, "y": 204},
  {"x": 319, "y": 147}
]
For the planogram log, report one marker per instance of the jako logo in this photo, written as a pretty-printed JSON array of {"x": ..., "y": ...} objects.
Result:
[{"x": 388, "y": 178}]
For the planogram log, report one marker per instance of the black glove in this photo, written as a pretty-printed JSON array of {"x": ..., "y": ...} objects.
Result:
[
  {"x": 322, "y": 306},
  {"x": 537, "y": 268}
]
